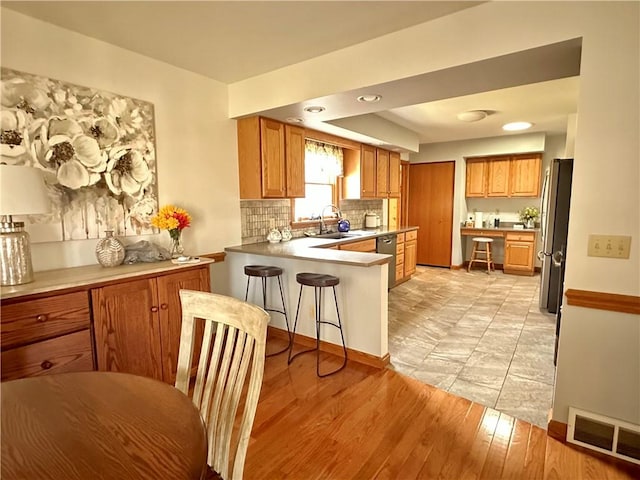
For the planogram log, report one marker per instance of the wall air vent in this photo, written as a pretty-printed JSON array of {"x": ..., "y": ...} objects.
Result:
[{"x": 604, "y": 434}]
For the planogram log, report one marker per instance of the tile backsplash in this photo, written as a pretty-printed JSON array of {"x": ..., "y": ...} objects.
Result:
[{"x": 256, "y": 216}]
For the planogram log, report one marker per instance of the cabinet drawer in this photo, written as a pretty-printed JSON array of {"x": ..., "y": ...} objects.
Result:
[
  {"x": 412, "y": 235},
  {"x": 399, "y": 272},
  {"x": 520, "y": 237},
  {"x": 34, "y": 320},
  {"x": 399, "y": 248},
  {"x": 400, "y": 258},
  {"x": 400, "y": 238},
  {"x": 68, "y": 353},
  {"x": 363, "y": 246}
]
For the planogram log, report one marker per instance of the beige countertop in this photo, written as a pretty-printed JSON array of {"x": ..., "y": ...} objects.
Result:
[
  {"x": 498, "y": 231},
  {"x": 315, "y": 248},
  {"x": 75, "y": 277}
]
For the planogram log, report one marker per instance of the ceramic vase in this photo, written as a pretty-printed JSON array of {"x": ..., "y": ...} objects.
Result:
[
  {"x": 274, "y": 236},
  {"x": 109, "y": 250}
]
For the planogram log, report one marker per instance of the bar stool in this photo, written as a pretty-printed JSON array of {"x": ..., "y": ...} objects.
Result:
[
  {"x": 318, "y": 282},
  {"x": 478, "y": 253},
  {"x": 264, "y": 272}
]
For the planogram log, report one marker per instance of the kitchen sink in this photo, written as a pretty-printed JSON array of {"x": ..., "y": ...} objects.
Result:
[{"x": 338, "y": 235}]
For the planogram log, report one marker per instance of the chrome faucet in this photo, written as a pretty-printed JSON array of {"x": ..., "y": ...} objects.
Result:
[{"x": 323, "y": 226}]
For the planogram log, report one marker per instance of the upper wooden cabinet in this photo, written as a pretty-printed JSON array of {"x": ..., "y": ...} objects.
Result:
[
  {"x": 379, "y": 173},
  {"x": 504, "y": 176},
  {"x": 382, "y": 173},
  {"x": 270, "y": 159},
  {"x": 394, "y": 174},
  {"x": 367, "y": 171},
  {"x": 476, "y": 178},
  {"x": 498, "y": 177},
  {"x": 524, "y": 176}
]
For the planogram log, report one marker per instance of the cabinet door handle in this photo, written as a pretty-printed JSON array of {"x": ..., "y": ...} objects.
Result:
[
  {"x": 154, "y": 309},
  {"x": 46, "y": 365},
  {"x": 164, "y": 306},
  {"x": 42, "y": 318}
]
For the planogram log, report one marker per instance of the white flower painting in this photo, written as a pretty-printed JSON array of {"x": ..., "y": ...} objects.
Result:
[{"x": 96, "y": 150}]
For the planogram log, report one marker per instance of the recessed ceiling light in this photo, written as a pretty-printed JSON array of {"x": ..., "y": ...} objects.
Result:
[
  {"x": 515, "y": 126},
  {"x": 294, "y": 120},
  {"x": 314, "y": 109},
  {"x": 472, "y": 115},
  {"x": 369, "y": 98}
]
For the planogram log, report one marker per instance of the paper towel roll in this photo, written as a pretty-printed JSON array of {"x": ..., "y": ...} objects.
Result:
[{"x": 478, "y": 223}]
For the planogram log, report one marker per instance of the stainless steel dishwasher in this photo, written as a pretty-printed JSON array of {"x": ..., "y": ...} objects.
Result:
[{"x": 387, "y": 244}]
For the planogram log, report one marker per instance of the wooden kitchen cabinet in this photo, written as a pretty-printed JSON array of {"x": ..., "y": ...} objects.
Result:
[
  {"x": 46, "y": 335},
  {"x": 270, "y": 159},
  {"x": 294, "y": 160},
  {"x": 519, "y": 251},
  {"x": 476, "y": 183},
  {"x": 368, "y": 173},
  {"x": 504, "y": 176},
  {"x": 525, "y": 173},
  {"x": 382, "y": 173},
  {"x": 498, "y": 177},
  {"x": 137, "y": 323},
  {"x": 387, "y": 174},
  {"x": 361, "y": 246},
  {"x": 410, "y": 252},
  {"x": 400, "y": 257}
]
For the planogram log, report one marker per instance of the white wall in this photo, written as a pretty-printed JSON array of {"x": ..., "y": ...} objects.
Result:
[
  {"x": 195, "y": 140},
  {"x": 605, "y": 196}
]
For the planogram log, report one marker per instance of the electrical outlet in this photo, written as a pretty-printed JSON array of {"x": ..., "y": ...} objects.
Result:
[{"x": 609, "y": 246}]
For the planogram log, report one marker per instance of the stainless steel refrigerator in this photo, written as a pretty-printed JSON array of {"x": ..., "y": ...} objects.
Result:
[{"x": 554, "y": 221}]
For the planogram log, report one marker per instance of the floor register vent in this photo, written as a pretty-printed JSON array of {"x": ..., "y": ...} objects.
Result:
[{"x": 604, "y": 434}]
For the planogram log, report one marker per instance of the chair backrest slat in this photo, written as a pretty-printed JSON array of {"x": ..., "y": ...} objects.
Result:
[{"x": 234, "y": 337}]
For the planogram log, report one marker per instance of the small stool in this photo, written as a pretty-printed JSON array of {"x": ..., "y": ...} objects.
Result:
[
  {"x": 318, "y": 281},
  {"x": 264, "y": 272},
  {"x": 486, "y": 252}
]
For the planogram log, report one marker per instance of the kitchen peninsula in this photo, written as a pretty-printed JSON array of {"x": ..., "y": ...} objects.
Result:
[{"x": 362, "y": 292}]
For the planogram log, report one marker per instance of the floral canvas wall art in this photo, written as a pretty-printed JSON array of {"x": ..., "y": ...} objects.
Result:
[{"x": 96, "y": 150}]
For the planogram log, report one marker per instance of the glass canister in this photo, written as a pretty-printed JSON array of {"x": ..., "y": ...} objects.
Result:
[{"x": 109, "y": 250}]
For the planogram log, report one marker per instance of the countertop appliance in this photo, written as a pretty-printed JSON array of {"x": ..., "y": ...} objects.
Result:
[
  {"x": 371, "y": 220},
  {"x": 554, "y": 223},
  {"x": 387, "y": 244}
]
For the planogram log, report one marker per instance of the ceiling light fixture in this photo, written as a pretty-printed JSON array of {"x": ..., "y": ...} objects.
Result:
[
  {"x": 369, "y": 98},
  {"x": 294, "y": 120},
  {"x": 314, "y": 109},
  {"x": 515, "y": 126},
  {"x": 472, "y": 115}
]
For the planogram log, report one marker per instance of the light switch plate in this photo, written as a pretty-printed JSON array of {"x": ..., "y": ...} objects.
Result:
[{"x": 610, "y": 246}]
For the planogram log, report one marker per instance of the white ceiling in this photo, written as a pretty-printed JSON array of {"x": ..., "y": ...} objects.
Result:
[{"x": 233, "y": 40}]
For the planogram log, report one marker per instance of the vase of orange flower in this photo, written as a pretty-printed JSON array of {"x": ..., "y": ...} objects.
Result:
[{"x": 174, "y": 220}]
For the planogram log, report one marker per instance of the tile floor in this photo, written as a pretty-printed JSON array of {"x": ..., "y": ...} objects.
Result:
[{"x": 479, "y": 336}]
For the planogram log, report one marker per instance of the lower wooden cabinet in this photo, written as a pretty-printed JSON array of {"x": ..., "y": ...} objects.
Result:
[
  {"x": 137, "y": 323},
  {"x": 68, "y": 353},
  {"x": 46, "y": 335},
  {"x": 519, "y": 251},
  {"x": 410, "y": 251},
  {"x": 362, "y": 246}
]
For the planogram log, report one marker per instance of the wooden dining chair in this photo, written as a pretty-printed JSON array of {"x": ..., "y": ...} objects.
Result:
[{"x": 234, "y": 336}]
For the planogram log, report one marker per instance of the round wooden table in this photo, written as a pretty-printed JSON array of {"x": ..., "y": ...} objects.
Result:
[{"x": 99, "y": 425}]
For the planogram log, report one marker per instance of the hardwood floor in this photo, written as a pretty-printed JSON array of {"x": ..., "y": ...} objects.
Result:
[{"x": 364, "y": 423}]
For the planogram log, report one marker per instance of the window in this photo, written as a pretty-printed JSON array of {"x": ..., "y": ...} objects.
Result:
[{"x": 323, "y": 165}]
